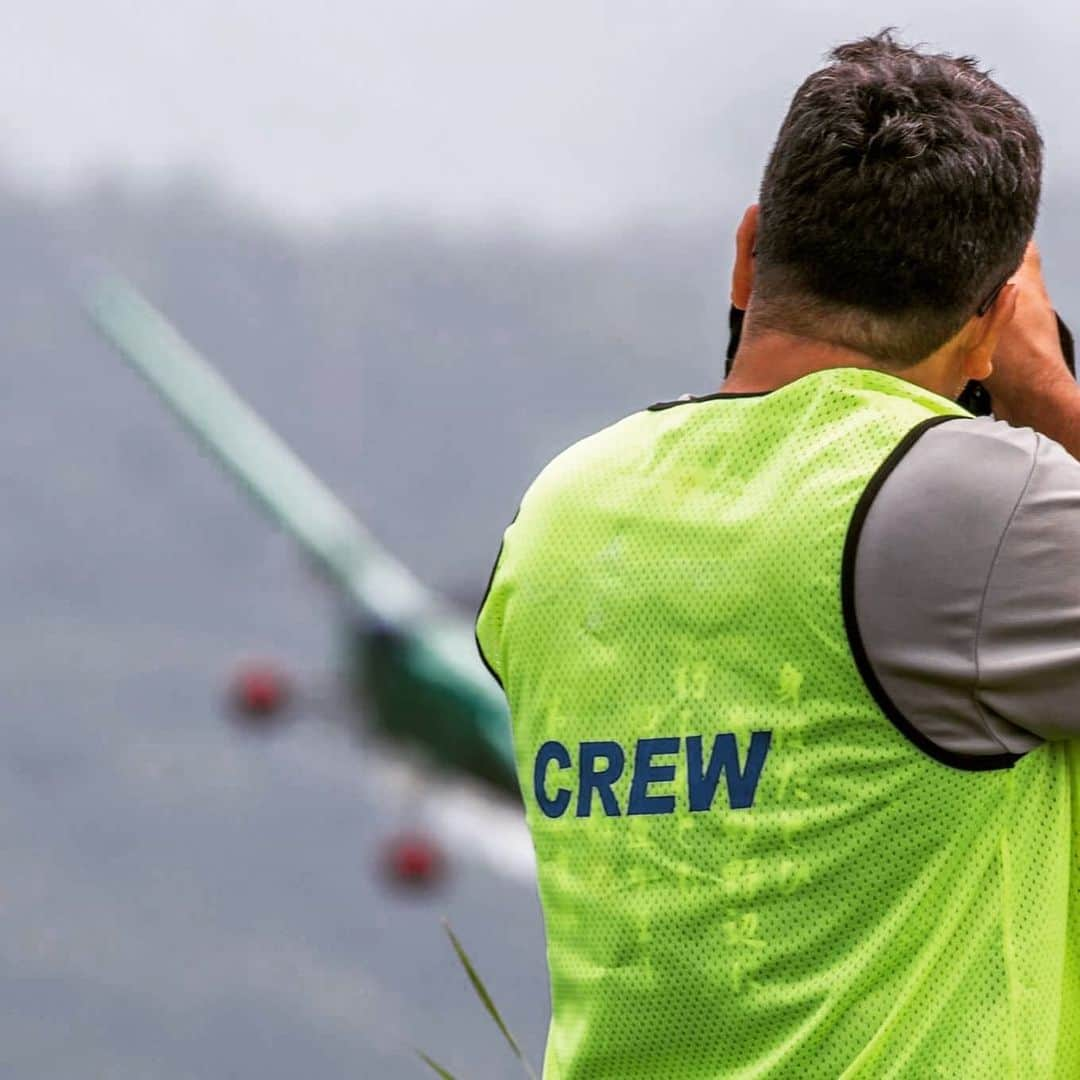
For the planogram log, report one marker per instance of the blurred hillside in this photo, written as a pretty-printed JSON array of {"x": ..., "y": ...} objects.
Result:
[{"x": 425, "y": 374}]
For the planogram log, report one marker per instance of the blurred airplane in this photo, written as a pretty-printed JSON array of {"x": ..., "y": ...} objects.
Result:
[{"x": 412, "y": 667}]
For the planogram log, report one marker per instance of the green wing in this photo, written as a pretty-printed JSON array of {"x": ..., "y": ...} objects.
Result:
[
  {"x": 235, "y": 434},
  {"x": 418, "y": 659}
]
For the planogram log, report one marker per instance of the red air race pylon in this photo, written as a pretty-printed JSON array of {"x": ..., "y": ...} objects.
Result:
[{"x": 258, "y": 692}]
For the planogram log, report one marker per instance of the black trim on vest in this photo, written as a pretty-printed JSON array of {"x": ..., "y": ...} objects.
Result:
[
  {"x": 487, "y": 593},
  {"x": 661, "y": 405},
  {"x": 721, "y": 394},
  {"x": 952, "y": 758}
]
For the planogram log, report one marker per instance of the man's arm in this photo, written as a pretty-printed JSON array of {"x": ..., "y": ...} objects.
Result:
[
  {"x": 1031, "y": 386},
  {"x": 1051, "y": 406},
  {"x": 1028, "y": 639},
  {"x": 967, "y": 588}
]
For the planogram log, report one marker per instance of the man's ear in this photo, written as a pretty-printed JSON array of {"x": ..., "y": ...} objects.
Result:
[
  {"x": 985, "y": 332},
  {"x": 742, "y": 278}
]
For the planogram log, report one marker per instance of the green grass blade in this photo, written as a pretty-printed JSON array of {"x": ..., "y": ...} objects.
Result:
[
  {"x": 485, "y": 998},
  {"x": 435, "y": 1066}
]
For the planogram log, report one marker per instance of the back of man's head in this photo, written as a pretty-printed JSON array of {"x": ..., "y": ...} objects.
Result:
[{"x": 902, "y": 188}]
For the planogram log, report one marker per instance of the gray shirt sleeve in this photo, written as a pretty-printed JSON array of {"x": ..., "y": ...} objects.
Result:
[{"x": 967, "y": 588}]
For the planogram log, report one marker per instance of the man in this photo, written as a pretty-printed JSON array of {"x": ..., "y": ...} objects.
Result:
[{"x": 793, "y": 667}]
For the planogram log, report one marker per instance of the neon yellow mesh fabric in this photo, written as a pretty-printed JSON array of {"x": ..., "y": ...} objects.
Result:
[{"x": 746, "y": 870}]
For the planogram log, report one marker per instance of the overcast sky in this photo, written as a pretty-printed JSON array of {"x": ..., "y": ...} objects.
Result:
[{"x": 567, "y": 114}]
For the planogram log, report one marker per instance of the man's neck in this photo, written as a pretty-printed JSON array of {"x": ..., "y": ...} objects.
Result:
[{"x": 770, "y": 359}]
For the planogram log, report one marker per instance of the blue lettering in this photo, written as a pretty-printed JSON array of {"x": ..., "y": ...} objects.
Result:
[
  {"x": 591, "y": 779},
  {"x": 741, "y": 783},
  {"x": 646, "y": 773},
  {"x": 547, "y": 754}
]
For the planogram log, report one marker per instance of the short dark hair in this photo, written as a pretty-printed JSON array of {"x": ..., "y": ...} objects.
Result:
[{"x": 902, "y": 188}]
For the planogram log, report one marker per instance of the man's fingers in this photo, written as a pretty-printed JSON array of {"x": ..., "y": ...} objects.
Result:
[
  {"x": 1030, "y": 275},
  {"x": 1009, "y": 295}
]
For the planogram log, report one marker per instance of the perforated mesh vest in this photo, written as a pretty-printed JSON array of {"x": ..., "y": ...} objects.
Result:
[{"x": 746, "y": 868}]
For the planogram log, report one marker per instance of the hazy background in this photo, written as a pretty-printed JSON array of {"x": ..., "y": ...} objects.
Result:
[{"x": 434, "y": 242}]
